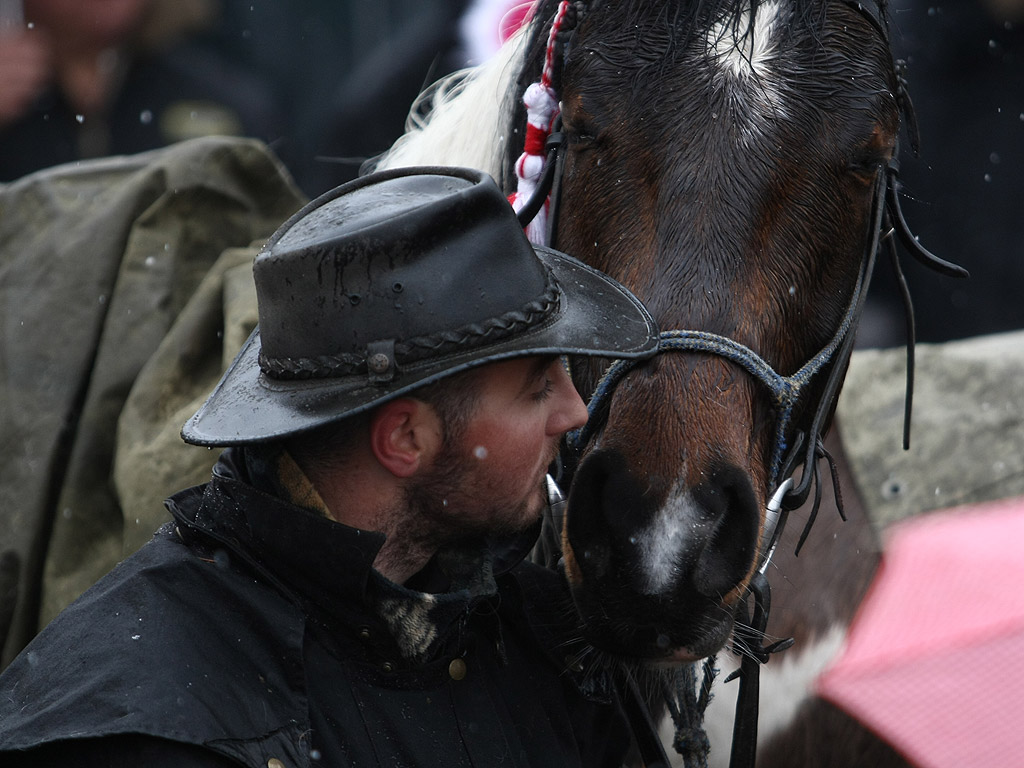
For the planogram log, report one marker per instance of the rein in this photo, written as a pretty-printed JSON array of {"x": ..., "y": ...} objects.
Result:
[{"x": 536, "y": 203}]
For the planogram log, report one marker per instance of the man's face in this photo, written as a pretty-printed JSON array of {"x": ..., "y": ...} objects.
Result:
[{"x": 490, "y": 477}]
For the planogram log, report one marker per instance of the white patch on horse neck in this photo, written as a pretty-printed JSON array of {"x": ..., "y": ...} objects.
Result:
[
  {"x": 660, "y": 544},
  {"x": 752, "y": 54},
  {"x": 785, "y": 683},
  {"x": 468, "y": 119}
]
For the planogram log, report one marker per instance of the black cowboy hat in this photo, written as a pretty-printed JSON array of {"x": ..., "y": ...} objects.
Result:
[{"x": 394, "y": 281}]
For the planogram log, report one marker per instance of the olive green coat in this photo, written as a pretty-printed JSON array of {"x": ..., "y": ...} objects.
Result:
[{"x": 116, "y": 286}]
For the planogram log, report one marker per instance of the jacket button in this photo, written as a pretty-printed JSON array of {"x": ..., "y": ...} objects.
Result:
[
  {"x": 274, "y": 763},
  {"x": 388, "y": 667},
  {"x": 457, "y": 669},
  {"x": 364, "y": 633}
]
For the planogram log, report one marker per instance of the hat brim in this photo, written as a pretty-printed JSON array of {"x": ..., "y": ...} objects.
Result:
[{"x": 595, "y": 317}]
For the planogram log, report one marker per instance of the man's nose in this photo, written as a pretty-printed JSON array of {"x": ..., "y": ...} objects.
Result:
[{"x": 570, "y": 412}]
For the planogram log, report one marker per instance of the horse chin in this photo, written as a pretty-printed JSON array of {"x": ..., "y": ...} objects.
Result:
[
  {"x": 708, "y": 644},
  {"x": 634, "y": 634}
]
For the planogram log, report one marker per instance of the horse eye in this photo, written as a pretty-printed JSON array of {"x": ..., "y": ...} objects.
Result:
[
  {"x": 874, "y": 150},
  {"x": 869, "y": 158},
  {"x": 579, "y": 138},
  {"x": 865, "y": 167},
  {"x": 581, "y": 135}
]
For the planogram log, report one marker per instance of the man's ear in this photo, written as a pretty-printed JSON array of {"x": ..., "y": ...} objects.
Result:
[{"x": 405, "y": 434}]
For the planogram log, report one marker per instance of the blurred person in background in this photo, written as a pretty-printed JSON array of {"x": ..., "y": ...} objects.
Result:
[
  {"x": 344, "y": 72},
  {"x": 964, "y": 194},
  {"x": 365, "y": 111},
  {"x": 327, "y": 83},
  {"x": 90, "y": 78}
]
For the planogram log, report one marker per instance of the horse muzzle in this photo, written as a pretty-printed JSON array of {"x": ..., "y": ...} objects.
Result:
[{"x": 656, "y": 568}]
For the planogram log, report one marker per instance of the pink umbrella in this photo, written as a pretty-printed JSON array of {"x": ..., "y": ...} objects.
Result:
[{"x": 934, "y": 662}]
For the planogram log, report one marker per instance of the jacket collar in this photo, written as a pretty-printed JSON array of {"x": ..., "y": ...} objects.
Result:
[{"x": 327, "y": 567}]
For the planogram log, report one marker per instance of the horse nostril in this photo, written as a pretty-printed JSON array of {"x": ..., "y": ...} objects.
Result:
[
  {"x": 583, "y": 529},
  {"x": 734, "y": 517},
  {"x": 603, "y": 509},
  {"x": 606, "y": 494}
]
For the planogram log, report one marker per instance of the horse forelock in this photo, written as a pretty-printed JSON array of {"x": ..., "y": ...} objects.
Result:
[{"x": 663, "y": 31}]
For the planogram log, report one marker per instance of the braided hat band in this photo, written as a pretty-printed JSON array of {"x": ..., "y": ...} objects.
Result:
[{"x": 469, "y": 336}]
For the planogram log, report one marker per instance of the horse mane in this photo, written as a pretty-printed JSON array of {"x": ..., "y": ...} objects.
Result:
[
  {"x": 464, "y": 118},
  {"x": 691, "y": 16}
]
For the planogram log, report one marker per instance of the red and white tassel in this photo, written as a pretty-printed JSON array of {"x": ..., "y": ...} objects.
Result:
[{"x": 541, "y": 110}]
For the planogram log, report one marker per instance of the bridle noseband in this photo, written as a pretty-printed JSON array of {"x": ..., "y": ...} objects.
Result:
[{"x": 793, "y": 448}]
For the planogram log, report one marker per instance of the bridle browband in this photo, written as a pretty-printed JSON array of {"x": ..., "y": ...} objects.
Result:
[{"x": 793, "y": 448}]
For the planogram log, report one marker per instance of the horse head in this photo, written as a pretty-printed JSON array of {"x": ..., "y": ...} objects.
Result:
[{"x": 725, "y": 161}]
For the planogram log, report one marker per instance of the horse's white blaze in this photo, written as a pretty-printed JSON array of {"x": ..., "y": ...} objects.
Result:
[
  {"x": 661, "y": 543},
  {"x": 468, "y": 119},
  {"x": 785, "y": 682},
  {"x": 752, "y": 54}
]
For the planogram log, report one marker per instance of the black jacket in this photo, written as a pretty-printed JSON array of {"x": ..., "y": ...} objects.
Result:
[{"x": 251, "y": 630}]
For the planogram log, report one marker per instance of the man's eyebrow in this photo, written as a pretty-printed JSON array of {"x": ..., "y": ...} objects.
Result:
[{"x": 537, "y": 370}]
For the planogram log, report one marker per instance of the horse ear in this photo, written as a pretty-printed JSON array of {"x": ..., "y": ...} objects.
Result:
[{"x": 405, "y": 436}]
